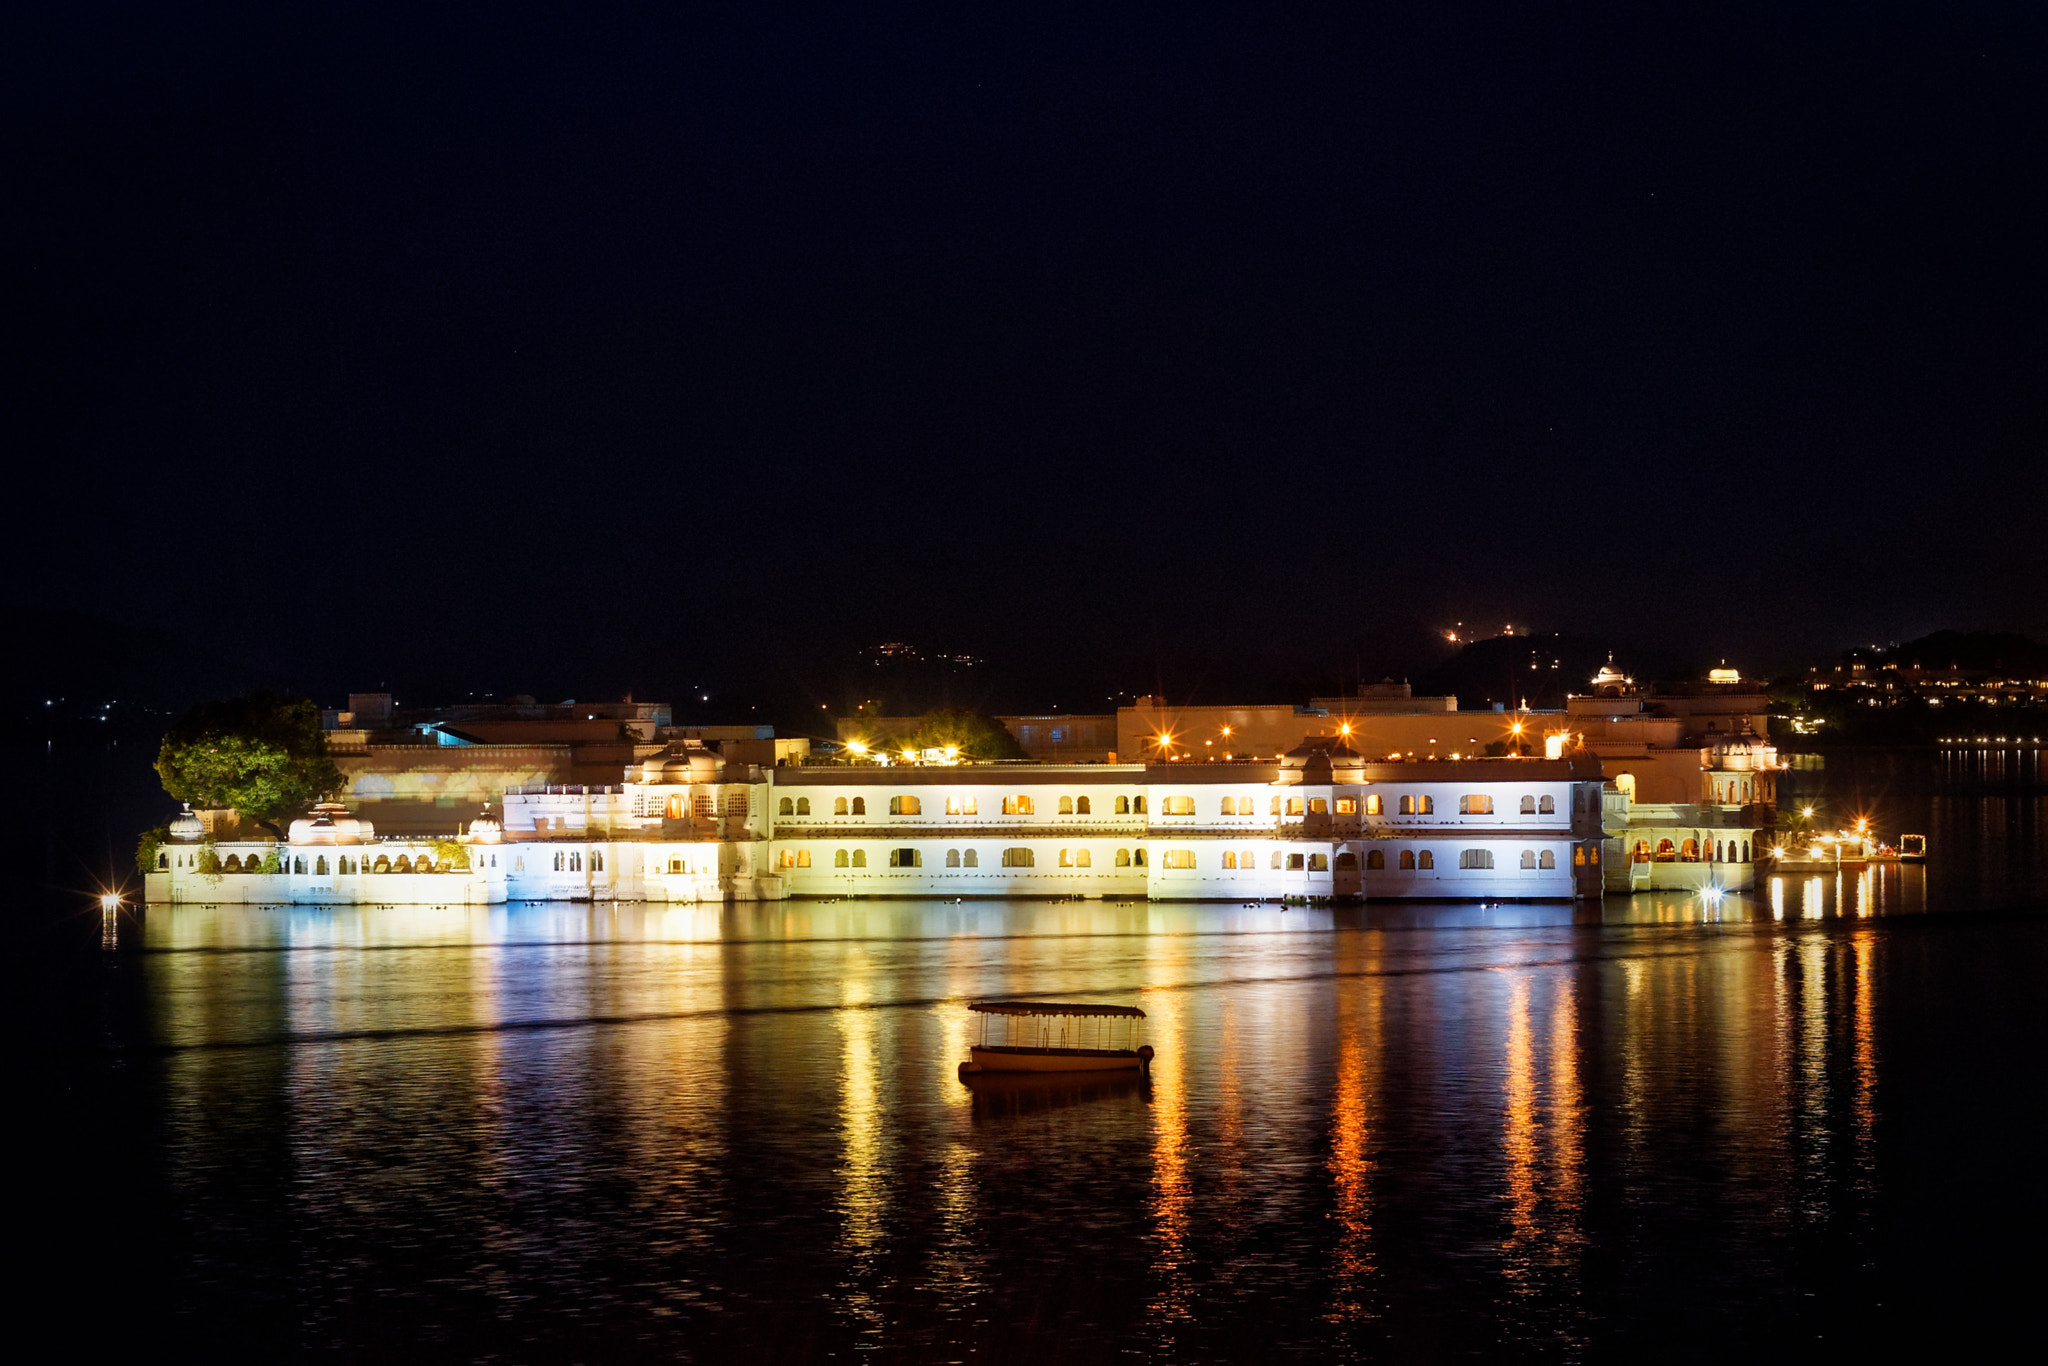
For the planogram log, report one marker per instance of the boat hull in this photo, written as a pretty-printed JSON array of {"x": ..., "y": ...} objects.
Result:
[{"x": 1020, "y": 1059}]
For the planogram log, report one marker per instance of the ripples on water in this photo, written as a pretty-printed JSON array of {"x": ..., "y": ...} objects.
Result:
[{"x": 552, "y": 1132}]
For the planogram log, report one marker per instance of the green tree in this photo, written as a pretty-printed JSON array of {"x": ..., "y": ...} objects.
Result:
[
  {"x": 261, "y": 755},
  {"x": 451, "y": 855},
  {"x": 974, "y": 735},
  {"x": 147, "y": 848}
]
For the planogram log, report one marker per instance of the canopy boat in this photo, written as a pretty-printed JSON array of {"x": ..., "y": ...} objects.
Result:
[{"x": 1046, "y": 1036}]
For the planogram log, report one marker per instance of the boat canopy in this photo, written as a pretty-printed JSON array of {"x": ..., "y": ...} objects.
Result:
[{"x": 1050, "y": 1008}]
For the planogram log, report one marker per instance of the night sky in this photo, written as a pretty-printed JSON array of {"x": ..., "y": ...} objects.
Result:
[{"x": 585, "y": 348}]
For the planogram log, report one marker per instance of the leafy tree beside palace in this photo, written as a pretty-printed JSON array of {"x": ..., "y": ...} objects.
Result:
[{"x": 263, "y": 756}]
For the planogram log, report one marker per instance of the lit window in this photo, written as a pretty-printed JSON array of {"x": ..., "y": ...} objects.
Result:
[
  {"x": 1476, "y": 858},
  {"x": 803, "y": 858},
  {"x": 1066, "y": 806},
  {"x": 839, "y": 806},
  {"x": 1066, "y": 858},
  {"x": 1347, "y": 806},
  {"x": 1016, "y": 806},
  {"x": 1229, "y": 809},
  {"x": 905, "y": 806},
  {"x": 1123, "y": 858},
  {"x": 1425, "y": 805},
  {"x": 1318, "y": 806},
  {"x": 1475, "y": 805},
  {"x": 1373, "y": 805},
  {"x": 1178, "y": 858},
  {"x": 1229, "y": 856},
  {"x": 1017, "y": 858},
  {"x": 1123, "y": 806},
  {"x": 1319, "y": 863},
  {"x": 1294, "y": 863},
  {"x": 1178, "y": 806},
  {"x": 1294, "y": 806}
]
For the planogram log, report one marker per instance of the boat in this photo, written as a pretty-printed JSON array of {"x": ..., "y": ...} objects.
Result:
[
  {"x": 1052, "y": 1036},
  {"x": 1913, "y": 848}
]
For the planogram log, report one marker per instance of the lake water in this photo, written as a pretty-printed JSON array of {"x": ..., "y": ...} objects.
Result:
[{"x": 1805, "y": 1120}]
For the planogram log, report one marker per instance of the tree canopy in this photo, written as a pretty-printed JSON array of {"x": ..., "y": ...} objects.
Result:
[
  {"x": 261, "y": 755},
  {"x": 976, "y": 736}
]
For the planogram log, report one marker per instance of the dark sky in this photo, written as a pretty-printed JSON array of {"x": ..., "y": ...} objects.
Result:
[{"x": 589, "y": 347}]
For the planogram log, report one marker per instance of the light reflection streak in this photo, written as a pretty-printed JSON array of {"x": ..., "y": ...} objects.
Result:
[
  {"x": 1172, "y": 1187},
  {"x": 863, "y": 1197},
  {"x": 1519, "y": 1137},
  {"x": 1351, "y": 1161}
]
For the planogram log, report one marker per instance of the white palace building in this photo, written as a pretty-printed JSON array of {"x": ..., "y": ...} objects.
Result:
[{"x": 1320, "y": 822}]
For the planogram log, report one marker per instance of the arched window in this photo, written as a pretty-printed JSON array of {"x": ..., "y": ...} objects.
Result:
[
  {"x": 163, "y": 862},
  {"x": 597, "y": 860},
  {"x": 860, "y": 806},
  {"x": 1178, "y": 858},
  {"x": 231, "y": 864},
  {"x": 1294, "y": 806},
  {"x": 404, "y": 864},
  {"x": 576, "y": 862},
  {"x": 1319, "y": 863},
  {"x": 1066, "y": 806},
  {"x": 1178, "y": 806},
  {"x": 952, "y": 858},
  {"x": 803, "y": 858},
  {"x": 1229, "y": 809},
  {"x": 1425, "y": 805},
  {"x": 1374, "y": 806},
  {"x": 1407, "y": 858},
  {"x": 1081, "y": 806},
  {"x": 1294, "y": 863},
  {"x": 345, "y": 864},
  {"x": 299, "y": 865},
  {"x": 839, "y": 806},
  {"x": 1547, "y": 859},
  {"x": 561, "y": 860},
  {"x": 1528, "y": 806},
  {"x": 1138, "y": 806},
  {"x": 1666, "y": 851},
  {"x": 1529, "y": 858},
  {"x": 803, "y": 806},
  {"x": 1375, "y": 858},
  {"x": 675, "y": 865},
  {"x": 860, "y": 858},
  {"x": 1578, "y": 856},
  {"x": 1066, "y": 858},
  {"x": 970, "y": 859},
  {"x": 787, "y": 807},
  {"x": 384, "y": 865},
  {"x": 1425, "y": 859},
  {"x": 1137, "y": 858},
  {"x": 1690, "y": 851},
  {"x": 1745, "y": 851},
  {"x": 1475, "y": 805},
  {"x": 1123, "y": 806},
  {"x": 839, "y": 858},
  {"x": 1278, "y": 859},
  {"x": 1229, "y": 856},
  {"x": 1081, "y": 859},
  {"x": 905, "y": 806},
  {"x": 1407, "y": 807},
  {"x": 320, "y": 866},
  {"x": 1123, "y": 857},
  {"x": 1475, "y": 858},
  {"x": 1717, "y": 852},
  {"x": 1019, "y": 805},
  {"x": 1547, "y": 806},
  {"x": 1017, "y": 858},
  {"x": 905, "y": 858}
]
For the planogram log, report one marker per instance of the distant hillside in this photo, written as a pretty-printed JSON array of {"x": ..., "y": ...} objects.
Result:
[
  {"x": 1996, "y": 650},
  {"x": 1534, "y": 670}
]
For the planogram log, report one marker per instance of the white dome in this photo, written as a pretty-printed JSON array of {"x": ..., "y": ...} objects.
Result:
[
  {"x": 484, "y": 830},
  {"x": 329, "y": 823},
  {"x": 187, "y": 827}
]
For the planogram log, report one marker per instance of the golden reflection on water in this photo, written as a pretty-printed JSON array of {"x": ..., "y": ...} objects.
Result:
[
  {"x": 1543, "y": 1134},
  {"x": 1359, "y": 1045},
  {"x": 863, "y": 1195},
  {"x": 1172, "y": 1186}
]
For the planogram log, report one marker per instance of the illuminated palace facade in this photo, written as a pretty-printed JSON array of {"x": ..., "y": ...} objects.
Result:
[{"x": 1319, "y": 822}]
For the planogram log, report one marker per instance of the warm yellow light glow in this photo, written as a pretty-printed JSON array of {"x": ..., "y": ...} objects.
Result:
[
  {"x": 952, "y": 750},
  {"x": 110, "y": 901},
  {"x": 1226, "y": 730},
  {"x": 1345, "y": 729},
  {"x": 1806, "y": 811},
  {"x": 1516, "y": 728}
]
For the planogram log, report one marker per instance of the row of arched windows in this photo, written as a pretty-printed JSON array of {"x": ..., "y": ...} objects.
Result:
[
  {"x": 1017, "y": 857},
  {"x": 1691, "y": 851}
]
